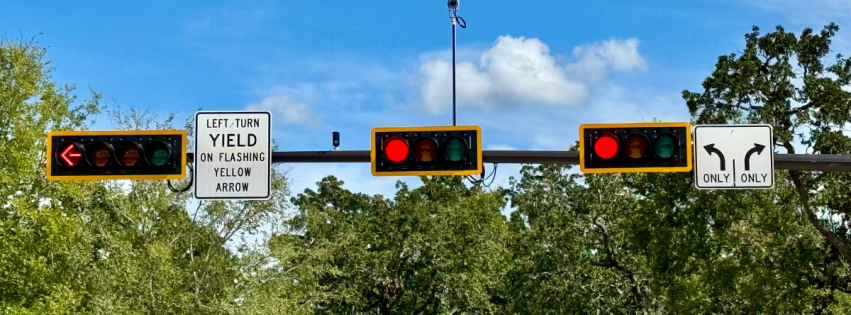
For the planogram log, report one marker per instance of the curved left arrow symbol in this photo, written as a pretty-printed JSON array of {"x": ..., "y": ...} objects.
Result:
[{"x": 711, "y": 148}]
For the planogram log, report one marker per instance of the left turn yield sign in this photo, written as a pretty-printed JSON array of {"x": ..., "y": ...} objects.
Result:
[{"x": 233, "y": 155}]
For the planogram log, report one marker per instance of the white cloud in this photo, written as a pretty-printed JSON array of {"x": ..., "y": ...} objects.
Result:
[
  {"x": 595, "y": 58},
  {"x": 285, "y": 109},
  {"x": 522, "y": 71}
]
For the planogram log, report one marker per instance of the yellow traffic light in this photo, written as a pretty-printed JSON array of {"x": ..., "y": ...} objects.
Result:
[
  {"x": 635, "y": 147},
  {"x": 92, "y": 155},
  {"x": 420, "y": 151}
]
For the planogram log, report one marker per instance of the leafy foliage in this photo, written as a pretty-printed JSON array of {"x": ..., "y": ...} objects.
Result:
[
  {"x": 103, "y": 247},
  {"x": 786, "y": 81},
  {"x": 624, "y": 243},
  {"x": 435, "y": 249}
]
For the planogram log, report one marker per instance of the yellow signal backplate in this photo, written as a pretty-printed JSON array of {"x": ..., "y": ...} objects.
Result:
[
  {"x": 478, "y": 148},
  {"x": 178, "y": 152},
  {"x": 663, "y": 169}
]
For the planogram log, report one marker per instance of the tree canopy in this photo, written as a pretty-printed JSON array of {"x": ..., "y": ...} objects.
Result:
[{"x": 645, "y": 243}]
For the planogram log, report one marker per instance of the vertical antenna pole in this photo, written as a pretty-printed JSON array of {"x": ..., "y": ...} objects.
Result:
[{"x": 453, "y": 71}]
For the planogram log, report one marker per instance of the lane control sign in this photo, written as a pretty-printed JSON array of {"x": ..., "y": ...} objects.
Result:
[
  {"x": 733, "y": 156},
  {"x": 233, "y": 155}
]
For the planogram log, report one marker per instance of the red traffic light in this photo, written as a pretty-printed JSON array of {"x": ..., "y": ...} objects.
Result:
[
  {"x": 69, "y": 154},
  {"x": 422, "y": 151},
  {"x": 635, "y": 147},
  {"x": 96, "y": 155},
  {"x": 396, "y": 149},
  {"x": 606, "y": 147}
]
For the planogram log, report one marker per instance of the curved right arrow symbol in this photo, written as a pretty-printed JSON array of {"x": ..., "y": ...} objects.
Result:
[
  {"x": 757, "y": 148},
  {"x": 711, "y": 148}
]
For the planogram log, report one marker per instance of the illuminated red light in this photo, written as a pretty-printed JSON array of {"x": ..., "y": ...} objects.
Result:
[
  {"x": 606, "y": 147},
  {"x": 69, "y": 155},
  {"x": 396, "y": 150}
]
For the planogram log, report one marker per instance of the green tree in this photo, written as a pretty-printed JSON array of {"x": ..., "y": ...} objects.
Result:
[
  {"x": 432, "y": 250},
  {"x": 651, "y": 243},
  {"x": 106, "y": 247},
  {"x": 788, "y": 81},
  {"x": 780, "y": 79},
  {"x": 570, "y": 245},
  {"x": 41, "y": 257},
  {"x": 730, "y": 252},
  {"x": 674, "y": 249}
]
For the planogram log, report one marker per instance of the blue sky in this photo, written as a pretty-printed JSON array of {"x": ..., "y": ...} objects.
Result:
[{"x": 528, "y": 74}]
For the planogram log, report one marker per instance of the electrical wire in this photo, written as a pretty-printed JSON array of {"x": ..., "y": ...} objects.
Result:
[
  {"x": 461, "y": 22},
  {"x": 473, "y": 180},
  {"x": 492, "y": 177},
  {"x": 191, "y": 179}
]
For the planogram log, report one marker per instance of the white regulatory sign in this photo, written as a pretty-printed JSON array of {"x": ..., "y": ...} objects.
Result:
[
  {"x": 233, "y": 155},
  {"x": 733, "y": 156}
]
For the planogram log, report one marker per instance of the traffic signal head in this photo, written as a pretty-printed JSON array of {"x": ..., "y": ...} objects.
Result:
[
  {"x": 90, "y": 155},
  {"x": 419, "y": 151},
  {"x": 640, "y": 147}
]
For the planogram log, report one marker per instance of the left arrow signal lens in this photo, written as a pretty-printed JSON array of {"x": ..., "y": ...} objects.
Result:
[{"x": 69, "y": 154}]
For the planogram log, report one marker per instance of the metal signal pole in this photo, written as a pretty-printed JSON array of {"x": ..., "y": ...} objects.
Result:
[
  {"x": 453, "y": 71},
  {"x": 453, "y": 15},
  {"x": 808, "y": 162}
]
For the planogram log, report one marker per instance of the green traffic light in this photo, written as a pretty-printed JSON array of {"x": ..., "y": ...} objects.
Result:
[
  {"x": 665, "y": 146},
  {"x": 159, "y": 157},
  {"x": 157, "y": 153},
  {"x": 455, "y": 149}
]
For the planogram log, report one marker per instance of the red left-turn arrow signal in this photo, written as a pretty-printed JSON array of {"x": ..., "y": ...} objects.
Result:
[{"x": 69, "y": 154}]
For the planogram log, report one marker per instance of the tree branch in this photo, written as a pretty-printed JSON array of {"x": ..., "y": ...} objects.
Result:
[
  {"x": 831, "y": 237},
  {"x": 431, "y": 296},
  {"x": 612, "y": 262}
]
